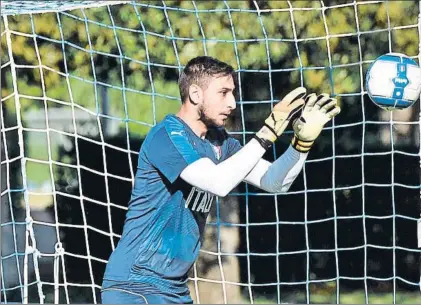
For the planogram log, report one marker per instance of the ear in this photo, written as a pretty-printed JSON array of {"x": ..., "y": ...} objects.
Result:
[{"x": 195, "y": 94}]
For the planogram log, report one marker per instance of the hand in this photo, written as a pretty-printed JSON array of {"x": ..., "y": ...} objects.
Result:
[
  {"x": 318, "y": 110},
  {"x": 281, "y": 114}
]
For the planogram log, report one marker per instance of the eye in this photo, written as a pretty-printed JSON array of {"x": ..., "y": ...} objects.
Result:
[{"x": 224, "y": 93}]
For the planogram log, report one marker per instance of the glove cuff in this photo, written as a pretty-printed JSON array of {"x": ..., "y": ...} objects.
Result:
[
  {"x": 266, "y": 136},
  {"x": 266, "y": 144},
  {"x": 300, "y": 145},
  {"x": 267, "y": 133}
]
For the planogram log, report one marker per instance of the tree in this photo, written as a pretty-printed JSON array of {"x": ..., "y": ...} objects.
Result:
[{"x": 137, "y": 51}]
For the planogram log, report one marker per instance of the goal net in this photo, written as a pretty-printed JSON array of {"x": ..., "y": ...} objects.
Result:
[{"x": 84, "y": 81}]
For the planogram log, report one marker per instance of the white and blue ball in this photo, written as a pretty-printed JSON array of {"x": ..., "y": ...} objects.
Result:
[{"x": 393, "y": 81}]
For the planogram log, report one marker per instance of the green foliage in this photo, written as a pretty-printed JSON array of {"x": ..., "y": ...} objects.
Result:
[
  {"x": 136, "y": 52},
  {"x": 119, "y": 56}
]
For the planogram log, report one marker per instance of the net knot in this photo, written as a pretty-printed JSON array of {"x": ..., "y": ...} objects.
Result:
[
  {"x": 59, "y": 248},
  {"x": 29, "y": 220}
]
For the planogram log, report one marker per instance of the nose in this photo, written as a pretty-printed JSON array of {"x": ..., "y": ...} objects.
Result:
[{"x": 232, "y": 103}]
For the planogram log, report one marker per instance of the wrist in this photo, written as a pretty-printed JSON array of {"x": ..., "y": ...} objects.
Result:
[
  {"x": 301, "y": 145},
  {"x": 265, "y": 136},
  {"x": 267, "y": 133},
  {"x": 266, "y": 144}
]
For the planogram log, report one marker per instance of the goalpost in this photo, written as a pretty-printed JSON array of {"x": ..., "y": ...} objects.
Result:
[{"x": 84, "y": 81}]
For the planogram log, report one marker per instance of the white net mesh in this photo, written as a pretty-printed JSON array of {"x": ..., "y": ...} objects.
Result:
[{"x": 84, "y": 81}]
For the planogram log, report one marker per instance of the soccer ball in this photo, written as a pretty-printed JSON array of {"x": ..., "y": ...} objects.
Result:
[{"x": 393, "y": 81}]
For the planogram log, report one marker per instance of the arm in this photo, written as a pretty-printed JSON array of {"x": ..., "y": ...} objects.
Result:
[
  {"x": 277, "y": 177},
  {"x": 222, "y": 178}
]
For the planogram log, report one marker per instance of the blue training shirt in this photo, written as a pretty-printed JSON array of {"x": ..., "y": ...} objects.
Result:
[{"x": 166, "y": 216}]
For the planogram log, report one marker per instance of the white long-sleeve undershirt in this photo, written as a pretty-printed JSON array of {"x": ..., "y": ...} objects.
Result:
[
  {"x": 277, "y": 177},
  {"x": 245, "y": 165},
  {"x": 222, "y": 178}
]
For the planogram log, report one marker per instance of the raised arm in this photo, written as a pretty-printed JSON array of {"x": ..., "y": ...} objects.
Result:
[
  {"x": 277, "y": 177},
  {"x": 222, "y": 178}
]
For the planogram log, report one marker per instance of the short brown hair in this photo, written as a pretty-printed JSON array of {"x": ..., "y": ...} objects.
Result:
[{"x": 198, "y": 70}]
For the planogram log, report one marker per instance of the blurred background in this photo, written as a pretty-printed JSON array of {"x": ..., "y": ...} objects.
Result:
[{"x": 83, "y": 82}]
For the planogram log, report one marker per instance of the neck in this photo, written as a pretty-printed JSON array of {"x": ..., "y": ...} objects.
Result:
[{"x": 192, "y": 118}]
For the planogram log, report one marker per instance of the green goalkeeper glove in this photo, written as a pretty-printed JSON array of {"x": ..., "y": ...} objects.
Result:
[
  {"x": 281, "y": 114},
  {"x": 318, "y": 110}
]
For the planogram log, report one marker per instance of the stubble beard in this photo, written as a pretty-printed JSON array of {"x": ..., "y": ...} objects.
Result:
[{"x": 205, "y": 119}]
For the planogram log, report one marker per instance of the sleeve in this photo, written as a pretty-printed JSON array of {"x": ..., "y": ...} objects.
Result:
[
  {"x": 170, "y": 152},
  {"x": 233, "y": 146}
]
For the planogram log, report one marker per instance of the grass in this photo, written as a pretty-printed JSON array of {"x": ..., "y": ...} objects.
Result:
[{"x": 355, "y": 297}]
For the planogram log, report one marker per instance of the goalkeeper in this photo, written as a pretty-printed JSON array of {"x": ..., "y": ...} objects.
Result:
[{"x": 188, "y": 159}]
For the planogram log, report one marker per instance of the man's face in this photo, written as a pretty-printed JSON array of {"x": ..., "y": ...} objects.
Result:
[{"x": 218, "y": 101}]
